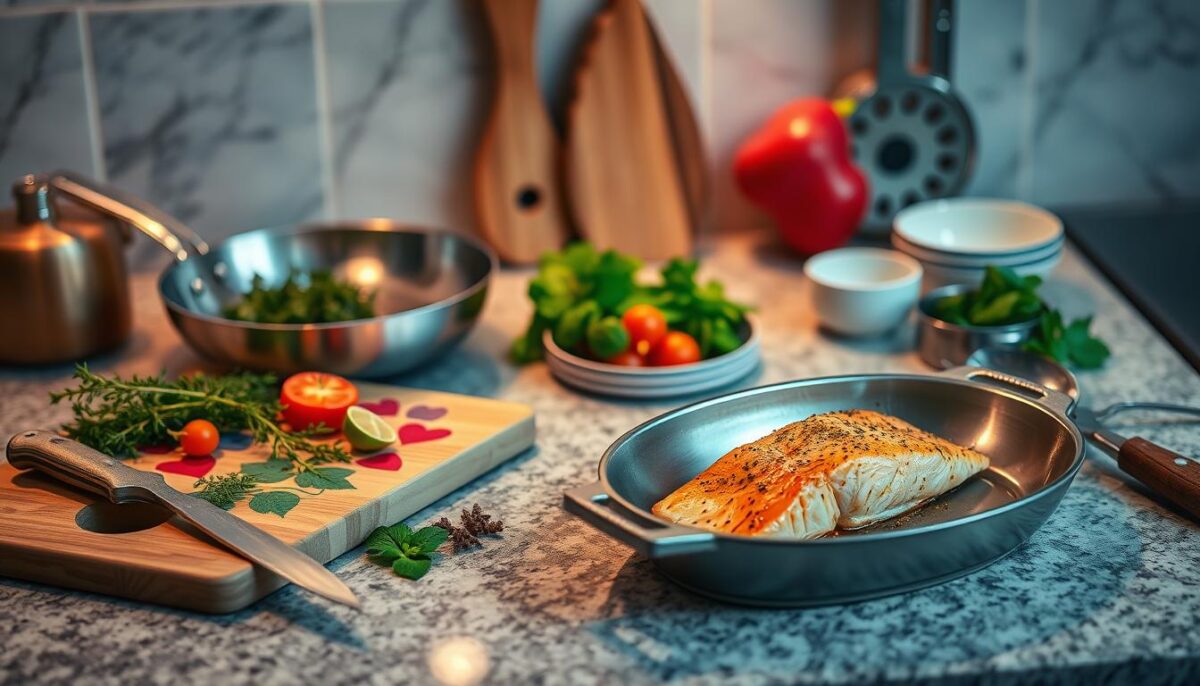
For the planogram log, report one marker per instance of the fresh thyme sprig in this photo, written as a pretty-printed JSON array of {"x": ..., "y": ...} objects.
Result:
[{"x": 118, "y": 416}]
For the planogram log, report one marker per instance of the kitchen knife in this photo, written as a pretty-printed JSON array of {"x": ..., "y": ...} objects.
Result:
[
  {"x": 81, "y": 466},
  {"x": 1171, "y": 475}
]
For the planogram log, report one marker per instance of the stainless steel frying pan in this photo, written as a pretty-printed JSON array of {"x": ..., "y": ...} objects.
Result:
[
  {"x": 1034, "y": 447},
  {"x": 431, "y": 287}
]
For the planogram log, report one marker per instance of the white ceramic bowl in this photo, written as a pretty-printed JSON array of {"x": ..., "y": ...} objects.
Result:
[
  {"x": 863, "y": 291},
  {"x": 977, "y": 227},
  {"x": 938, "y": 275},
  {"x": 944, "y": 259}
]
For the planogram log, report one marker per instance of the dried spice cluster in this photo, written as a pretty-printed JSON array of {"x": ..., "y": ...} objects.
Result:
[{"x": 474, "y": 524}]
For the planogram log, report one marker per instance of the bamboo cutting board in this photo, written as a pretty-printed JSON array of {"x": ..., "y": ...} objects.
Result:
[
  {"x": 53, "y": 534},
  {"x": 517, "y": 192},
  {"x": 634, "y": 168}
]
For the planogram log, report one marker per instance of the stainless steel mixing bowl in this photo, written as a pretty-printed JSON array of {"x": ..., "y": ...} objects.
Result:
[
  {"x": 431, "y": 285},
  {"x": 1035, "y": 451},
  {"x": 431, "y": 288}
]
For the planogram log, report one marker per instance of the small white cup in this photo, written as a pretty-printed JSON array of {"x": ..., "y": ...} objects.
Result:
[{"x": 863, "y": 291}]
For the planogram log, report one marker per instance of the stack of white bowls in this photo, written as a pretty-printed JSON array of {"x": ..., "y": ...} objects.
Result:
[
  {"x": 653, "y": 382},
  {"x": 955, "y": 239}
]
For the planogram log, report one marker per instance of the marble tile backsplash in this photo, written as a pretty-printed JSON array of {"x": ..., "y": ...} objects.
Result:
[{"x": 259, "y": 112}]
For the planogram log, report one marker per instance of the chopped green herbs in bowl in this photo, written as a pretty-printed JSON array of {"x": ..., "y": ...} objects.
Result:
[
  {"x": 1006, "y": 301},
  {"x": 316, "y": 297}
]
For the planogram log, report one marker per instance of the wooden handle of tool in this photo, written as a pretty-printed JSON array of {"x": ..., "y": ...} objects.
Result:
[
  {"x": 517, "y": 192},
  {"x": 1167, "y": 473}
]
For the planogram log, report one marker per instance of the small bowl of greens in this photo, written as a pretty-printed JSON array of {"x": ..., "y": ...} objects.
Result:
[{"x": 1003, "y": 311}]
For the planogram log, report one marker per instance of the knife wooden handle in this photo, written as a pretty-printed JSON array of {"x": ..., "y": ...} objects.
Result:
[
  {"x": 76, "y": 464},
  {"x": 1167, "y": 473}
]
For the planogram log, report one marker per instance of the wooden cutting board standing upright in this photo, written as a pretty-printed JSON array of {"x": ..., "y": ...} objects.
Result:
[
  {"x": 54, "y": 534},
  {"x": 518, "y": 198},
  {"x": 635, "y": 171}
]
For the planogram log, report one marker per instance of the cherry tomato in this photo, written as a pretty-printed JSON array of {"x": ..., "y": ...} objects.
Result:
[
  {"x": 199, "y": 438},
  {"x": 646, "y": 326},
  {"x": 629, "y": 358},
  {"x": 311, "y": 398},
  {"x": 675, "y": 348}
]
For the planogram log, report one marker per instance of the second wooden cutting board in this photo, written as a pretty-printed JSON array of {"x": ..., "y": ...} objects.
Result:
[{"x": 634, "y": 167}]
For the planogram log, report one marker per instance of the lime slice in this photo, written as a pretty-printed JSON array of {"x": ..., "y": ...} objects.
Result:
[{"x": 366, "y": 430}]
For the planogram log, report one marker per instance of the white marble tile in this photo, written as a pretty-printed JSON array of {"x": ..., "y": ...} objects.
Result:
[
  {"x": 407, "y": 84},
  {"x": 1118, "y": 86},
  {"x": 766, "y": 53},
  {"x": 990, "y": 70},
  {"x": 211, "y": 113},
  {"x": 43, "y": 113}
]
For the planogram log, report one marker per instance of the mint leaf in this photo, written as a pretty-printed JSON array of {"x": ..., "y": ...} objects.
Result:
[
  {"x": 412, "y": 567},
  {"x": 269, "y": 472},
  {"x": 329, "y": 478},
  {"x": 276, "y": 502},
  {"x": 429, "y": 538},
  {"x": 383, "y": 545}
]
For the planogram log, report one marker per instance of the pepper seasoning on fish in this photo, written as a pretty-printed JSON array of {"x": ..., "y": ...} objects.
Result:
[{"x": 846, "y": 469}]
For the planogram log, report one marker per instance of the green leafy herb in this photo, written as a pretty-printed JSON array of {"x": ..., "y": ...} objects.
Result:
[
  {"x": 275, "y": 502},
  {"x": 328, "y": 478},
  {"x": 225, "y": 490},
  {"x": 580, "y": 293},
  {"x": 117, "y": 416},
  {"x": 304, "y": 298},
  {"x": 1070, "y": 343},
  {"x": 271, "y": 471},
  {"x": 1006, "y": 298},
  {"x": 1002, "y": 298},
  {"x": 408, "y": 552}
]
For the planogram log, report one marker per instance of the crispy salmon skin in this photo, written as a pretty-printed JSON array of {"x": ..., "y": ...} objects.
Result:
[{"x": 844, "y": 469}]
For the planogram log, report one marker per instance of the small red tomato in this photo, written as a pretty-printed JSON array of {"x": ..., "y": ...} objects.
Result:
[
  {"x": 312, "y": 398},
  {"x": 646, "y": 326},
  {"x": 675, "y": 348},
  {"x": 629, "y": 358},
  {"x": 199, "y": 438}
]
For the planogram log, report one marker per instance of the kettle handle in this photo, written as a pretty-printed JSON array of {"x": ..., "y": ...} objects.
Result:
[{"x": 168, "y": 231}]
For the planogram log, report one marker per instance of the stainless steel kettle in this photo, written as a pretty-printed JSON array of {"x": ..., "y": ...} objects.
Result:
[{"x": 64, "y": 291}]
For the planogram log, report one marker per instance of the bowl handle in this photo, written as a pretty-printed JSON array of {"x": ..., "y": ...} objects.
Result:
[
  {"x": 591, "y": 504},
  {"x": 1059, "y": 402}
]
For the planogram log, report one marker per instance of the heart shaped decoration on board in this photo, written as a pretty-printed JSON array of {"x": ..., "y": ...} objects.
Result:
[
  {"x": 195, "y": 467},
  {"x": 386, "y": 461},
  {"x": 427, "y": 413},
  {"x": 385, "y": 407},
  {"x": 416, "y": 433}
]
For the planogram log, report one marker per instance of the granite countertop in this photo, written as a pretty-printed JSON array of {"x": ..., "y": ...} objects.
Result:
[{"x": 1109, "y": 588}]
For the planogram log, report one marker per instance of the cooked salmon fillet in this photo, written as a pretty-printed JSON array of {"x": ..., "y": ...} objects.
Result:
[{"x": 841, "y": 469}]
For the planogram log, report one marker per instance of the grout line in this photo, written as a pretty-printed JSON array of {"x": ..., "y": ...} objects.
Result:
[
  {"x": 1026, "y": 153},
  {"x": 91, "y": 100},
  {"x": 332, "y": 204}
]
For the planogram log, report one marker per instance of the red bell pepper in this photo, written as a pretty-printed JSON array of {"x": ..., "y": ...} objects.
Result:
[{"x": 797, "y": 168}]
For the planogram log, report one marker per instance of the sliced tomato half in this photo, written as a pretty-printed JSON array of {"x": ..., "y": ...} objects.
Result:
[{"x": 312, "y": 398}]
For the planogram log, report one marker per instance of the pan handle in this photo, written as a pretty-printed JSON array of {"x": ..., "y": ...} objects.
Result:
[
  {"x": 168, "y": 231},
  {"x": 591, "y": 504},
  {"x": 1059, "y": 402}
]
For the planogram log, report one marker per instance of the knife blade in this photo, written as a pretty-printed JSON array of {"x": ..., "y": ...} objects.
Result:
[{"x": 81, "y": 466}]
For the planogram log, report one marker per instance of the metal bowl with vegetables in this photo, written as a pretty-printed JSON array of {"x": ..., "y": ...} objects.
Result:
[
  {"x": 602, "y": 329},
  {"x": 1003, "y": 311},
  {"x": 360, "y": 298}
]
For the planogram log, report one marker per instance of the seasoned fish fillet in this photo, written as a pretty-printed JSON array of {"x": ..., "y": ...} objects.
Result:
[{"x": 840, "y": 469}]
